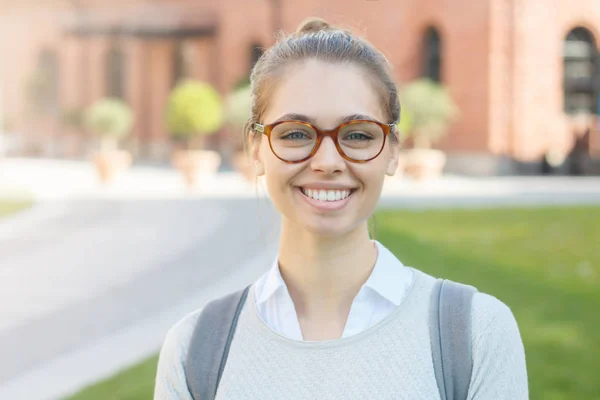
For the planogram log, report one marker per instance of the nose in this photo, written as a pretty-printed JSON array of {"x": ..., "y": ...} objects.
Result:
[{"x": 327, "y": 158}]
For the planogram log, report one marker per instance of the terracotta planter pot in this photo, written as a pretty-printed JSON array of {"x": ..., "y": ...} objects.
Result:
[
  {"x": 195, "y": 163},
  {"x": 422, "y": 164},
  {"x": 243, "y": 165},
  {"x": 110, "y": 163}
]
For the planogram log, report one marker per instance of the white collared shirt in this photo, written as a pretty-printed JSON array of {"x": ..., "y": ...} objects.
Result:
[{"x": 377, "y": 298}]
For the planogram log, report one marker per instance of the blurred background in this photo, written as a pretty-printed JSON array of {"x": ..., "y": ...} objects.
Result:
[{"x": 126, "y": 199}]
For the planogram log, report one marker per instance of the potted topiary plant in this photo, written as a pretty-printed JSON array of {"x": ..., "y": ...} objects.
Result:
[
  {"x": 238, "y": 110},
  {"x": 428, "y": 111},
  {"x": 111, "y": 119},
  {"x": 194, "y": 110}
]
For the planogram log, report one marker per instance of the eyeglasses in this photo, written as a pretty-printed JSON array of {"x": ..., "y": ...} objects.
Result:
[{"x": 357, "y": 141}]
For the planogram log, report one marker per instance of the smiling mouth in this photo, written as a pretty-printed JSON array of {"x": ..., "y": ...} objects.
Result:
[{"x": 327, "y": 195}]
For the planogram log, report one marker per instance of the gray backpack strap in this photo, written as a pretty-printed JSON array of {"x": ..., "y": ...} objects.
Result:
[
  {"x": 450, "y": 332},
  {"x": 209, "y": 346}
]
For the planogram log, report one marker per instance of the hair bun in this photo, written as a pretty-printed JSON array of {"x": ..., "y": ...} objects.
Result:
[{"x": 313, "y": 24}]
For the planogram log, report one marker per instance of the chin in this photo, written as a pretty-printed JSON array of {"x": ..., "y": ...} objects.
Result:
[{"x": 330, "y": 228}]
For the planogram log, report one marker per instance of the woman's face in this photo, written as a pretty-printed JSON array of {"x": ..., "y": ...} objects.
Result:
[{"x": 326, "y": 93}]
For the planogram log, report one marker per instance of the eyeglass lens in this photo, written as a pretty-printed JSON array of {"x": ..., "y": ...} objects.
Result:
[{"x": 359, "y": 141}]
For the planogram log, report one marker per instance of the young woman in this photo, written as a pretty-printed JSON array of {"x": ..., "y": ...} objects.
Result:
[{"x": 338, "y": 316}]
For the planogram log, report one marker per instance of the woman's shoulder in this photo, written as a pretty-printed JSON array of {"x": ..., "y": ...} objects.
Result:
[
  {"x": 488, "y": 313},
  {"x": 485, "y": 307},
  {"x": 170, "y": 375},
  {"x": 499, "y": 363},
  {"x": 491, "y": 315},
  {"x": 178, "y": 337}
]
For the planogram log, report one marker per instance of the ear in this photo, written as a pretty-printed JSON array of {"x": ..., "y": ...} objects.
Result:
[
  {"x": 259, "y": 168},
  {"x": 392, "y": 165}
]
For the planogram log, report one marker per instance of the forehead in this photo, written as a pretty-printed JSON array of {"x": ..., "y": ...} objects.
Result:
[{"x": 324, "y": 91}]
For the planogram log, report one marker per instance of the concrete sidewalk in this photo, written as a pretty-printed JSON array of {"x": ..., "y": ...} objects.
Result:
[{"x": 94, "y": 286}]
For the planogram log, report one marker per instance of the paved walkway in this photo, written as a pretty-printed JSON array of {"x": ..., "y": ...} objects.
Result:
[
  {"x": 92, "y": 277},
  {"x": 96, "y": 285}
]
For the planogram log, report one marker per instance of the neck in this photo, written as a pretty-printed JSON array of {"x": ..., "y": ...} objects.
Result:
[{"x": 324, "y": 274}]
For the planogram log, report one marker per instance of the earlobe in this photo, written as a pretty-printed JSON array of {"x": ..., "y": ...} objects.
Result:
[
  {"x": 259, "y": 168},
  {"x": 392, "y": 166},
  {"x": 391, "y": 169}
]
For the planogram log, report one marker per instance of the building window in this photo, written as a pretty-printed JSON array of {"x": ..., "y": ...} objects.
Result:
[
  {"x": 179, "y": 63},
  {"x": 184, "y": 61},
  {"x": 115, "y": 68},
  {"x": 580, "y": 72},
  {"x": 432, "y": 62}
]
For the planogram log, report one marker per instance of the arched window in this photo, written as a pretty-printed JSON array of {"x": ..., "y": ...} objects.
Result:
[
  {"x": 179, "y": 63},
  {"x": 183, "y": 60},
  {"x": 580, "y": 76},
  {"x": 115, "y": 71},
  {"x": 432, "y": 60}
]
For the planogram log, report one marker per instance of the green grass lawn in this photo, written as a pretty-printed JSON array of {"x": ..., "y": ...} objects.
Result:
[
  {"x": 132, "y": 384},
  {"x": 12, "y": 206},
  {"x": 543, "y": 263}
]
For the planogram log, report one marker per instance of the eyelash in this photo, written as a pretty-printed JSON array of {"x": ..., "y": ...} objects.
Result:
[{"x": 288, "y": 135}]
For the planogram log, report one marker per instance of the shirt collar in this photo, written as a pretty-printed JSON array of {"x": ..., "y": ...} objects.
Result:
[
  {"x": 389, "y": 275},
  {"x": 269, "y": 283},
  {"x": 387, "y": 278}
]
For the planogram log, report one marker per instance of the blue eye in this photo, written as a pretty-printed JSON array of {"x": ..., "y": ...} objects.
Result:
[
  {"x": 294, "y": 135},
  {"x": 358, "y": 136}
]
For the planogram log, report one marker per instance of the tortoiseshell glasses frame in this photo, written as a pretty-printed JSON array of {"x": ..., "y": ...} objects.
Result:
[{"x": 333, "y": 134}]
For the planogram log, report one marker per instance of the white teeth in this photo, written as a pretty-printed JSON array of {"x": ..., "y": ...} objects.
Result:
[{"x": 326, "y": 195}]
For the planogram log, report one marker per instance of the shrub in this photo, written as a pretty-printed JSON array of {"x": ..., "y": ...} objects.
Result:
[
  {"x": 194, "y": 109},
  {"x": 429, "y": 109},
  {"x": 109, "y": 118},
  {"x": 238, "y": 106}
]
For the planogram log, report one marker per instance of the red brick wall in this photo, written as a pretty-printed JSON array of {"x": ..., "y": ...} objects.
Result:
[
  {"x": 502, "y": 59},
  {"x": 526, "y": 75}
]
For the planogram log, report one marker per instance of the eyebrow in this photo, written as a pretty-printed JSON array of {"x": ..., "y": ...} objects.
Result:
[{"x": 302, "y": 117}]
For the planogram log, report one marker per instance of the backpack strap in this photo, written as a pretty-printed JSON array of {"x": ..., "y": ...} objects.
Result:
[
  {"x": 210, "y": 342},
  {"x": 450, "y": 332}
]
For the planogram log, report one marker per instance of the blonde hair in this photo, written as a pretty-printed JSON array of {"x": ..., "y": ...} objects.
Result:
[{"x": 316, "y": 39}]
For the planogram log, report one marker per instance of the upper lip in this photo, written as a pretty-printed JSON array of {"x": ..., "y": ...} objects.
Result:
[{"x": 326, "y": 186}]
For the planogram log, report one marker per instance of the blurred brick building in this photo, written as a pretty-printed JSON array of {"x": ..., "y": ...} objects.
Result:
[{"x": 518, "y": 69}]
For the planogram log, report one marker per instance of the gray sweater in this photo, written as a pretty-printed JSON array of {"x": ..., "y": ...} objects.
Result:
[{"x": 391, "y": 360}]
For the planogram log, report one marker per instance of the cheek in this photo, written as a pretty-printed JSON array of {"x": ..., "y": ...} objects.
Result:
[
  {"x": 372, "y": 174},
  {"x": 278, "y": 174}
]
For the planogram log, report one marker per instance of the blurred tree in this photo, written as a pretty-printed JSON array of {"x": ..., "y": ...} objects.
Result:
[
  {"x": 111, "y": 119},
  {"x": 428, "y": 110},
  {"x": 194, "y": 110},
  {"x": 239, "y": 103}
]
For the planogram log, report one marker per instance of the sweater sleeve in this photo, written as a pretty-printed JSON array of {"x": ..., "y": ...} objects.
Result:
[
  {"x": 499, "y": 369},
  {"x": 171, "y": 382}
]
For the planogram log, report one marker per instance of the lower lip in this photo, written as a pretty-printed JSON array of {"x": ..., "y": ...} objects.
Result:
[{"x": 326, "y": 205}]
